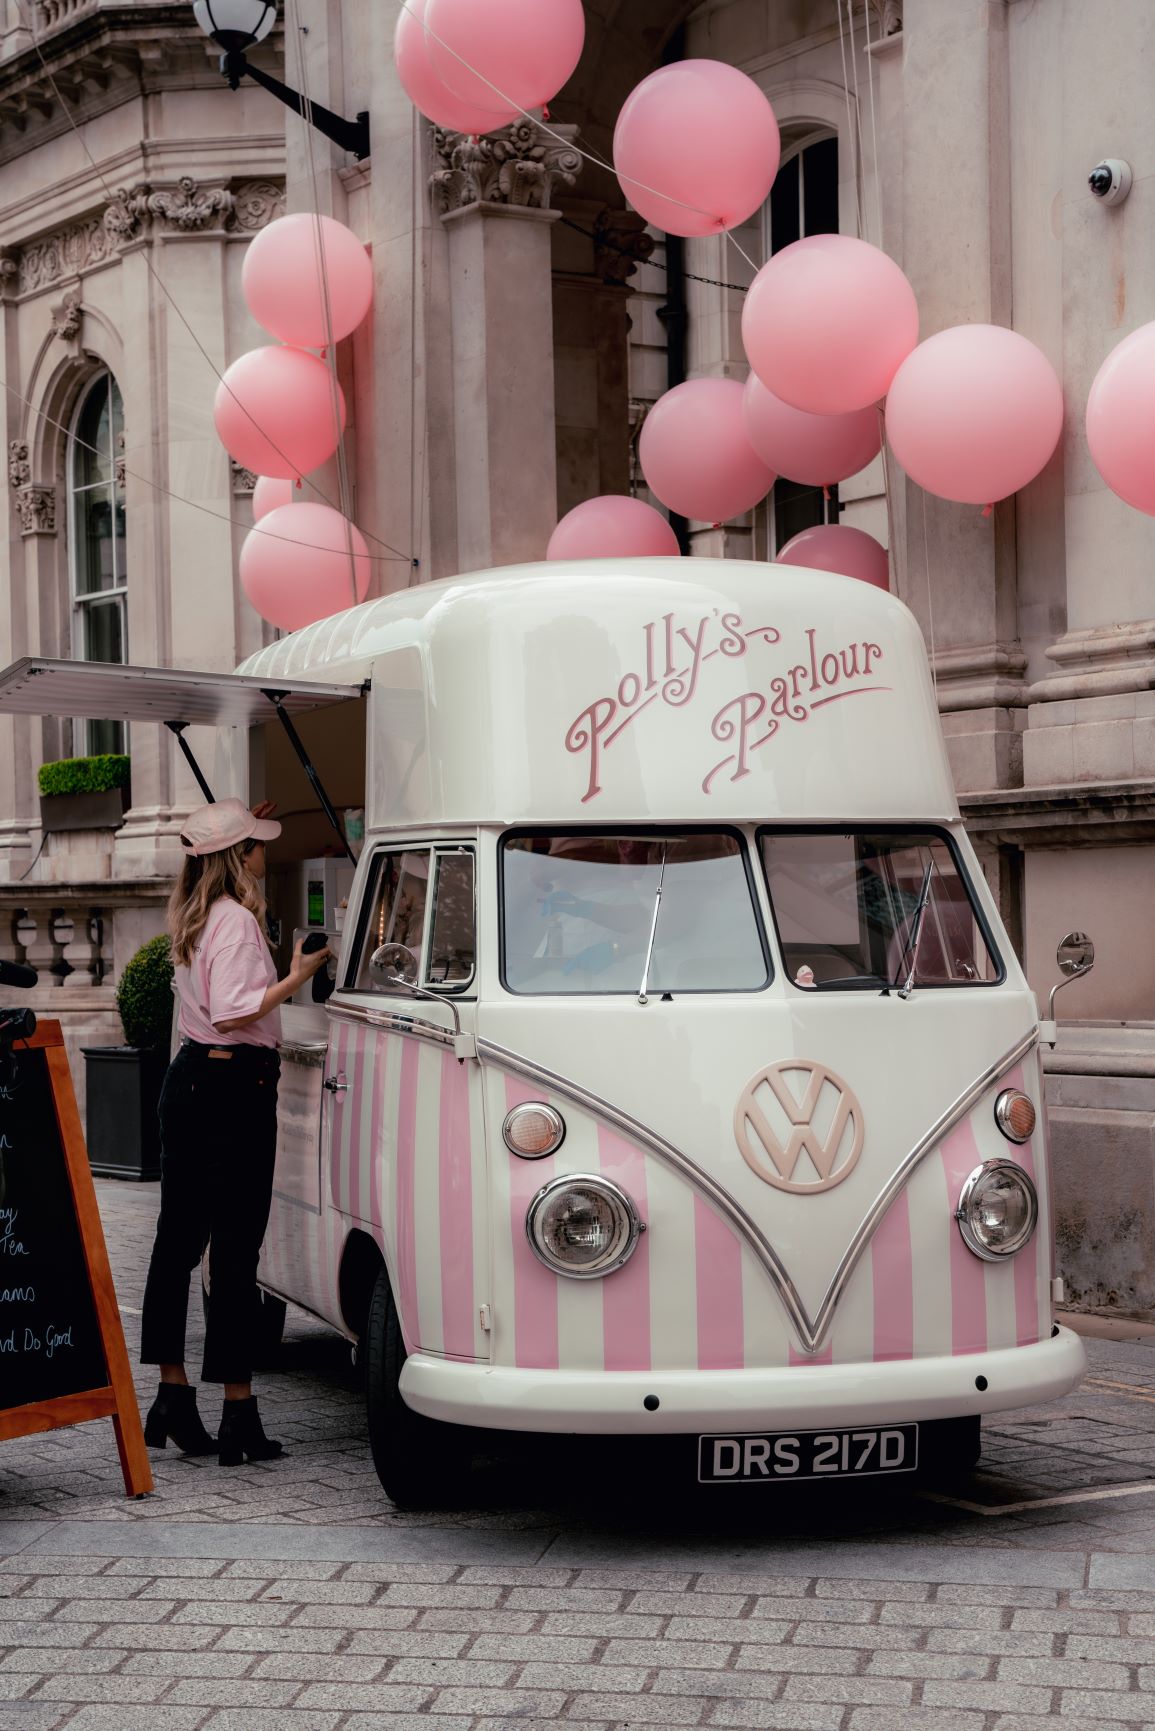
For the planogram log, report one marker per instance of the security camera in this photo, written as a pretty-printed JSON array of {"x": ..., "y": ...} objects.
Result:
[{"x": 1110, "y": 180}]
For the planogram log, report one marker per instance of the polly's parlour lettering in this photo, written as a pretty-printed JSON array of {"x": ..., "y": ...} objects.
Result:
[{"x": 672, "y": 658}]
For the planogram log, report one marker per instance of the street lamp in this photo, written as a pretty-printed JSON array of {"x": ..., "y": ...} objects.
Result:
[{"x": 236, "y": 25}]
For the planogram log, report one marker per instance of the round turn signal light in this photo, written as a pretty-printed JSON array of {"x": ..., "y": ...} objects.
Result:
[
  {"x": 1015, "y": 1115},
  {"x": 533, "y": 1130}
]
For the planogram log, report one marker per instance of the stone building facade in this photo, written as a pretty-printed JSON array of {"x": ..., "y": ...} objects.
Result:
[{"x": 524, "y": 321}]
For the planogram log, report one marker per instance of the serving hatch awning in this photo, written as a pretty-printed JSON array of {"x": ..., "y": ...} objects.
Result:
[{"x": 107, "y": 691}]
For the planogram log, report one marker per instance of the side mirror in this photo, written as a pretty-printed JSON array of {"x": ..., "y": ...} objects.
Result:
[{"x": 1075, "y": 957}]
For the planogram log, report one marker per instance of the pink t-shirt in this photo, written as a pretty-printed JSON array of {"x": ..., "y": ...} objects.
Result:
[{"x": 228, "y": 977}]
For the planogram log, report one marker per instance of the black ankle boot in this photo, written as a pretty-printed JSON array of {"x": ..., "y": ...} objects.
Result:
[
  {"x": 242, "y": 1437},
  {"x": 174, "y": 1414}
]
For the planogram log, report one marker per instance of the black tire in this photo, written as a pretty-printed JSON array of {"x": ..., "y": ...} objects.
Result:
[{"x": 419, "y": 1462}]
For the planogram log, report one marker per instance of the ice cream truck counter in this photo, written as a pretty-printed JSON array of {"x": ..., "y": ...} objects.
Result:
[{"x": 677, "y": 1076}]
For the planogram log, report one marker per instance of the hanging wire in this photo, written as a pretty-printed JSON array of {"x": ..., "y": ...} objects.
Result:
[
  {"x": 929, "y": 599},
  {"x": 193, "y": 504},
  {"x": 343, "y": 488},
  {"x": 155, "y": 274},
  {"x": 873, "y": 121}
]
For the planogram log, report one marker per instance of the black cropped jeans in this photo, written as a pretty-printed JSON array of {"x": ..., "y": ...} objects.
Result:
[{"x": 218, "y": 1121}]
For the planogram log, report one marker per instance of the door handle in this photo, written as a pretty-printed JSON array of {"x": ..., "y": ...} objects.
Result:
[{"x": 335, "y": 1085}]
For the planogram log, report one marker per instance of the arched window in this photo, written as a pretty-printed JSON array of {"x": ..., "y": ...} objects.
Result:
[
  {"x": 804, "y": 200},
  {"x": 96, "y": 534}
]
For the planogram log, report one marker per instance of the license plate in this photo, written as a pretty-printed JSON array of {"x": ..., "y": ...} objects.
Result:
[{"x": 762, "y": 1458}]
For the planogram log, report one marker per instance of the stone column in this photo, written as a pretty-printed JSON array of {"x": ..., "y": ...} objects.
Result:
[
  {"x": 956, "y": 250},
  {"x": 493, "y": 195}
]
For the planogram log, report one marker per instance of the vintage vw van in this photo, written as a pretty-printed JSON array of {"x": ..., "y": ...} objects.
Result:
[{"x": 677, "y": 1075}]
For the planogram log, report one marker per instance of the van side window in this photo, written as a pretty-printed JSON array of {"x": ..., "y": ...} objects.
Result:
[
  {"x": 418, "y": 928},
  {"x": 452, "y": 941},
  {"x": 391, "y": 946}
]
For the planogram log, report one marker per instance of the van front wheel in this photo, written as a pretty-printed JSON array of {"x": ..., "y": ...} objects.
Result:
[{"x": 419, "y": 1462}]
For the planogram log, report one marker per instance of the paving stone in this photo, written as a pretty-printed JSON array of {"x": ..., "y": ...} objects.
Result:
[
  {"x": 1083, "y": 1704},
  {"x": 632, "y": 1709},
  {"x": 1069, "y": 1622},
  {"x": 688, "y": 1604},
  {"x": 908, "y": 1592},
  {"x": 285, "y": 1569},
  {"x": 273, "y": 1719},
  {"x": 406, "y": 1643},
  {"x": 375, "y": 1697},
  {"x": 471, "y": 1622},
  {"x": 964, "y": 1667},
  {"x": 696, "y": 1655},
  {"x": 290, "y": 1639},
  {"x": 115, "y": 1611},
  {"x": 96, "y": 1688},
  {"x": 487, "y": 1703},
  {"x": 15, "y": 1684},
  {"x": 215, "y": 1591},
  {"x": 1064, "y": 1673},
  {"x": 181, "y": 1568},
  {"x": 604, "y": 1625},
  {"x": 427, "y": 1595},
  {"x": 1119, "y": 1649},
  {"x": 852, "y": 1635},
  {"x": 792, "y": 1608},
  {"x": 544, "y": 1648},
  {"x": 728, "y": 1630},
  {"x": 941, "y": 1616},
  {"x": 170, "y": 1665},
  {"x": 233, "y": 1692},
  {"x": 576, "y": 1679},
  {"x": 29, "y": 1716},
  {"x": 344, "y": 1616},
  {"x": 1024, "y": 1597},
  {"x": 125, "y": 1718},
  {"x": 444, "y": 1673},
  {"x": 42, "y": 1659},
  {"x": 775, "y": 1716},
  {"x": 915, "y": 1719},
  {"x": 992, "y": 1642},
  {"x": 167, "y": 1637},
  {"x": 866, "y": 1691},
  {"x": 244, "y": 1611},
  {"x": 564, "y": 1599},
  {"x": 46, "y": 1634},
  {"x": 321, "y": 1592},
  {"x": 987, "y": 1697},
  {"x": 837, "y": 1661}
]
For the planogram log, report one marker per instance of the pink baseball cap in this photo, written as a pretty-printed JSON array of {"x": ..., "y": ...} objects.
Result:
[{"x": 212, "y": 828}]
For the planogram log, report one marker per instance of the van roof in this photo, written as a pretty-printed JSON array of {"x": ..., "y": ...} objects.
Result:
[{"x": 627, "y": 690}]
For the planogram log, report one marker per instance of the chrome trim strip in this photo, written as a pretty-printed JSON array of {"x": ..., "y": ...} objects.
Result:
[
  {"x": 810, "y": 1334},
  {"x": 393, "y": 1022}
]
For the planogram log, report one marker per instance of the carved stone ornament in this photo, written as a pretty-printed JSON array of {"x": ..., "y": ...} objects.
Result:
[
  {"x": 37, "y": 508},
  {"x": 257, "y": 203},
  {"x": 188, "y": 208},
  {"x": 66, "y": 318},
  {"x": 136, "y": 213},
  {"x": 621, "y": 244},
  {"x": 19, "y": 468},
  {"x": 520, "y": 165},
  {"x": 244, "y": 480},
  {"x": 889, "y": 14}
]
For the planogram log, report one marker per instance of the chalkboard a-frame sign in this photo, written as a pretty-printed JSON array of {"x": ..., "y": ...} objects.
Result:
[{"x": 62, "y": 1354}]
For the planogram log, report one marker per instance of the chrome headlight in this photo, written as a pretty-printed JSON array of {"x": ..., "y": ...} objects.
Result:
[
  {"x": 582, "y": 1227},
  {"x": 998, "y": 1209}
]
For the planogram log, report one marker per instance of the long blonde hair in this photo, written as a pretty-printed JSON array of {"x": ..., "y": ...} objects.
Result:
[{"x": 204, "y": 879}]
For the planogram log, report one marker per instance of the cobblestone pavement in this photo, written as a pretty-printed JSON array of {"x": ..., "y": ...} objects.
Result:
[{"x": 575, "y": 1586}]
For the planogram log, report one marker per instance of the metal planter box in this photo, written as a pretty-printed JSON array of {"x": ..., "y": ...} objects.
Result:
[
  {"x": 122, "y": 1087},
  {"x": 60, "y": 811}
]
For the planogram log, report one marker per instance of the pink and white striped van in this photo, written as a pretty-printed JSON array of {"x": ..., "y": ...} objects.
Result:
[{"x": 678, "y": 1076}]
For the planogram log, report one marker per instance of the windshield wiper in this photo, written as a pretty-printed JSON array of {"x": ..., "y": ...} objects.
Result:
[
  {"x": 905, "y": 990},
  {"x": 642, "y": 998}
]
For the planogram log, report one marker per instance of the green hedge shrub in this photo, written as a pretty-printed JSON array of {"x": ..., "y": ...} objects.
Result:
[
  {"x": 84, "y": 774},
  {"x": 144, "y": 997}
]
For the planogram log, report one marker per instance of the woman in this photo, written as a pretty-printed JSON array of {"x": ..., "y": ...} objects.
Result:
[{"x": 218, "y": 1117}]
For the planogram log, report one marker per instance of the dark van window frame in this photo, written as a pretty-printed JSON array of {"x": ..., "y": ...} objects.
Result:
[{"x": 435, "y": 852}]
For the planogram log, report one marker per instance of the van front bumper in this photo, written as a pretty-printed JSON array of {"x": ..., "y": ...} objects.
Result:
[{"x": 612, "y": 1402}]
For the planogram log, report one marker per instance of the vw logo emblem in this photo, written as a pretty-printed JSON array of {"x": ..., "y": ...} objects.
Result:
[{"x": 799, "y": 1127}]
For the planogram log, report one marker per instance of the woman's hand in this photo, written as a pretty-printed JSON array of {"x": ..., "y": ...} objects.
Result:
[
  {"x": 303, "y": 967},
  {"x": 265, "y": 808}
]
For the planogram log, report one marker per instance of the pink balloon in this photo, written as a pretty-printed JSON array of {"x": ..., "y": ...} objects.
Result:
[
  {"x": 974, "y": 413},
  {"x": 695, "y": 454},
  {"x": 274, "y": 412},
  {"x": 817, "y": 450},
  {"x": 837, "y": 547},
  {"x": 270, "y": 492},
  {"x": 424, "y": 88},
  {"x": 496, "y": 52},
  {"x": 702, "y": 134},
  {"x": 286, "y": 291},
  {"x": 296, "y": 566},
  {"x": 613, "y": 527},
  {"x": 828, "y": 322},
  {"x": 1121, "y": 419}
]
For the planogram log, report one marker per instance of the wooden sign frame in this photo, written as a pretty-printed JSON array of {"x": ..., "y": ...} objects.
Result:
[{"x": 117, "y": 1399}]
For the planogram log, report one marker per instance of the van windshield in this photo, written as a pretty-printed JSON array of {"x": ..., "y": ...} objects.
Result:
[
  {"x": 860, "y": 908},
  {"x": 578, "y": 914}
]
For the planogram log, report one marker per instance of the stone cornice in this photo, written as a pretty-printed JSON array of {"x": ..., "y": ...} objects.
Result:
[
  {"x": 135, "y": 214},
  {"x": 88, "y": 58},
  {"x": 1076, "y": 814}
]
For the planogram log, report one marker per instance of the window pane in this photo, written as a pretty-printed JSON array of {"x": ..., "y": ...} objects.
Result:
[
  {"x": 785, "y": 207},
  {"x": 103, "y": 630},
  {"x": 92, "y": 448},
  {"x": 846, "y": 906},
  {"x": 102, "y": 736},
  {"x": 579, "y": 910},
  {"x": 92, "y": 519},
  {"x": 820, "y": 187},
  {"x": 391, "y": 945},
  {"x": 120, "y": 543},
  {"x": 452, "y": 944}
]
